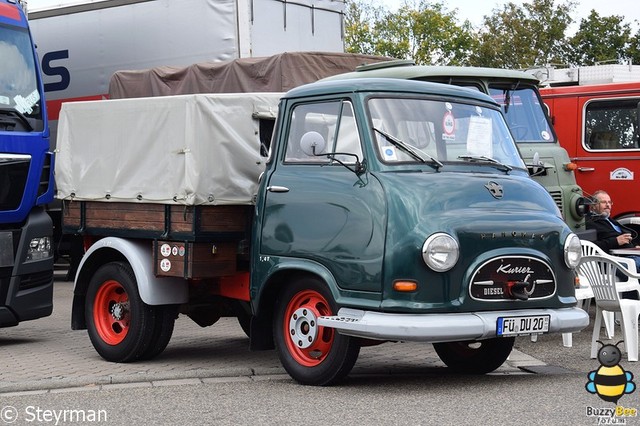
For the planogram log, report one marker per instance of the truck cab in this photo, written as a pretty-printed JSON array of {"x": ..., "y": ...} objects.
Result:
[
  {"x": 402, "y": 210},
  {"x": 26, "y": 176},
  {"x": 518, "y": 95}
]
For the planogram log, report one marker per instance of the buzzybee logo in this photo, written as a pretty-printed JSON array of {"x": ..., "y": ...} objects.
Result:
[{"x": 610, "y": 382}]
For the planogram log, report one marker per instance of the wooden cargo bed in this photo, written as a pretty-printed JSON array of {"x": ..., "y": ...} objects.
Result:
[{"x": 187, "y": 241}]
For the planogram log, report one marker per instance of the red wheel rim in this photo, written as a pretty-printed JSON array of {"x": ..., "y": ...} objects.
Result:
[
  {"x": 111, "y": 312},
  {"x": 308, "y": 343}
]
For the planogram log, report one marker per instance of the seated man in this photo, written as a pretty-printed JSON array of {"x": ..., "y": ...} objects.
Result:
[{"x": 610, "y": 234}]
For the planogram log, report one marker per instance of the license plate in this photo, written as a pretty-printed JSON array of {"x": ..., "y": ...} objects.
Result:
[{"x": 519, "y": 326}]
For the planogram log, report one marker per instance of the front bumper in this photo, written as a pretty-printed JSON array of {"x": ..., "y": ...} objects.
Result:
[
  {"x": 435, "y": 328},
  {"x": 26, "y": 287}
]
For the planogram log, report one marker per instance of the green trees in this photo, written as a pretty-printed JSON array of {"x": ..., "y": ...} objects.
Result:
[
  {"x": 521, "y": 37},
  {"x": 600, "y": 39},
  {"x": 514, "y": 36},
  {"x": 425, "y": 32}
]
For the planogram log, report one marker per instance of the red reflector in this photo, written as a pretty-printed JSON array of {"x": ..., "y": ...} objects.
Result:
[
  {"x": 570, "y": 166},
  {"x": 9, "y": 11}
]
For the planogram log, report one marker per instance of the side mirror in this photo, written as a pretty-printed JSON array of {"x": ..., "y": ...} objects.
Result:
[
  {"x": 536, "y": 165},
  {"x": 312, "y": 143}
]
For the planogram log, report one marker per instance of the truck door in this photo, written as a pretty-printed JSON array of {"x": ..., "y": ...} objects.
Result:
[
  {"x": 609, "y": 156},
  {"x": 319, "y": 208}
]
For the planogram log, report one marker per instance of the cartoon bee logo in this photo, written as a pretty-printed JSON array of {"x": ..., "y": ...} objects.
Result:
[{"x": 610, "y": 381}]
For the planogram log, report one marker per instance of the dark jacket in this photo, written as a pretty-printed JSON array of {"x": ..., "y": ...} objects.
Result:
[{"x": 606, "y": 234}]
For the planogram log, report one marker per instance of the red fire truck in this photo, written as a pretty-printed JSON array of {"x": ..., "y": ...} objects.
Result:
[{"x": 598, "y": 124}]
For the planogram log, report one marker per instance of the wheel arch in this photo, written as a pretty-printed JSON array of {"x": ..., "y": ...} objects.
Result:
[
  {"x": 286, "y": 271},
  {"x": 138, "y": 254}
]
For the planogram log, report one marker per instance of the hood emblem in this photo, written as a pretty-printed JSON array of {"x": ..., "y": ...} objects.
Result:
[{"x": 495, "y": 189}]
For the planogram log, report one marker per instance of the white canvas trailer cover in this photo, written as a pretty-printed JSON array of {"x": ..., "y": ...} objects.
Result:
[{"x": 191, "y": 150}]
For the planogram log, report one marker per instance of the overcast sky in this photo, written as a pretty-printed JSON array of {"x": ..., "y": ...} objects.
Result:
[{"x": 473, "y": 10}]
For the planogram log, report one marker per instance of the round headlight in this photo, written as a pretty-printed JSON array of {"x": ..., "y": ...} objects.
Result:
[
  {"x": 440, "y": 252},
  {"x": 572, "y": 251}
]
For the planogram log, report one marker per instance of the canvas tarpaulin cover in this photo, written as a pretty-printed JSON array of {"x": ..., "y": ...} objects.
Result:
[
  {"x": 191, "y": 150},
  {"x": 278, "y": 73}
]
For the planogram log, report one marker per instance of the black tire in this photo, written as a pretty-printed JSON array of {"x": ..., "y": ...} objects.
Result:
[
  {"x": 481, "y": 357},
  {"x": 312, "y": 355},
  {"x": 162, "y": 330},
  {"x": 119, "y": 323}
]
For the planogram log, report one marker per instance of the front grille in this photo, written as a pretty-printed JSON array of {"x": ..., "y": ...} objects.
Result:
[
  {"x": 35, "y": 280},
  {"x": 557, "y": 198},
  {"x": 506, "y": 277},
  {"x": 9, "y": 241},
  {"x": 13, "y": 179}
]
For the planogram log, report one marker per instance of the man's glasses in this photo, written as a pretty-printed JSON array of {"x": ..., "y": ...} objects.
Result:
[{"x": 606, "y": 202}]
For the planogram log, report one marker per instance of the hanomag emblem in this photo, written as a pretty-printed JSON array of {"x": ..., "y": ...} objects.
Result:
[{"x": 495, "y": 189}]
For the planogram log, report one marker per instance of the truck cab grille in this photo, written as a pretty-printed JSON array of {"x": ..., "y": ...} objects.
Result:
[
  {"x": 14, "y": 170},
  {"x": 510, "y": 277},
  {"x": 557, "y": 198}
]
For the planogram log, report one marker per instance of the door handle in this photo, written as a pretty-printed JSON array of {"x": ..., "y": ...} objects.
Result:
[
  {"x": 277, "y": 189},
  {"x": 586, "y": 169}
]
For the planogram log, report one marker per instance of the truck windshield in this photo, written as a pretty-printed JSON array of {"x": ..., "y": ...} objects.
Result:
[
  {"x": 19, "y": 96},
  {"x": 443, "y": 131},
  {"x": 524, "y": 112}
]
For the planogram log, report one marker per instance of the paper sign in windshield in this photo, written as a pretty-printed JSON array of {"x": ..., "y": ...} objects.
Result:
[
  {"x": 25, "y": 105},
  {"x": 479, "y": 137}
]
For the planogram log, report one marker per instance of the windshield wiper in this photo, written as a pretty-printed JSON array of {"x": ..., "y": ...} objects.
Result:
[
  {"x": 15, "y": 113},
  {"x": 414, "y": 152},
  {"x": 481, "y": 158}
]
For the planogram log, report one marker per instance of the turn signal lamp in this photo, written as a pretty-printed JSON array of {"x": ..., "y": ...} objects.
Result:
[
  {"x": 570, "y": 167},
  {"x": 405, "y": 286}
]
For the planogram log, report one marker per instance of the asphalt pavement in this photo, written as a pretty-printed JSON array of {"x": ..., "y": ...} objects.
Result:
[{"x": 46, "y": 354}]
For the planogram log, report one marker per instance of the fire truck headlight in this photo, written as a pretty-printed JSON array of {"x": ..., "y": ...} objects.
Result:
[{"x": 440, "y": 252}]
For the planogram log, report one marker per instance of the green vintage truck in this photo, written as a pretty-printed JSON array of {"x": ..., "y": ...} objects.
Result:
[{"x": 377, "y": 210}]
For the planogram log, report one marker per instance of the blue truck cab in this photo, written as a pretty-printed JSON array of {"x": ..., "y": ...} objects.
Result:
[{"x": 26, "y": 176}]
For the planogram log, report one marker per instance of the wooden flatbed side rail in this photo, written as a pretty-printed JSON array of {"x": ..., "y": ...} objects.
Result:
[{"x": 157, "y": 221}]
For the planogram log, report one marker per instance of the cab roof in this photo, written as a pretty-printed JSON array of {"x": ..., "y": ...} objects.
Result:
[
  {"x": 386, "y": 85},
  {"x": 408, "y": 70}
]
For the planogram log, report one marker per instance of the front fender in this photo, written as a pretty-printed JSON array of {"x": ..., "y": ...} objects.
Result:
[
  {"x": 272, "y": 270},
  {"x": 138, "y": 253}
]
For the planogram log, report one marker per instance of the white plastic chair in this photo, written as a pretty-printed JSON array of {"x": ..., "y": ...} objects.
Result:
[
  {"x": 631, "y": 284},
  {"x": 600, "y": 271},
  {"x": 584, "y": 294},
  {"x": 590, "y": 249}
]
